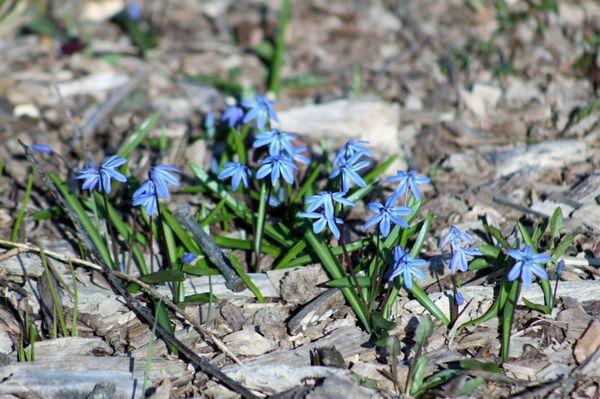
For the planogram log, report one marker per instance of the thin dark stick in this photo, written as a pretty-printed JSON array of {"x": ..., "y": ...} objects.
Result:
[
  {"x": 208, "y": 246},
  {"x": 109, "y": 227}
]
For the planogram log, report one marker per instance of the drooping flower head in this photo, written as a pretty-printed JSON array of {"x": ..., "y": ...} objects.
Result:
[
  {"x": 209, "y": 124},
  {"x": 261, "y": 110},
  {"x": 233, "y": 115},
  {"x": 101, "y": 176},
  {"x": 238, "y": 173},
  {"x": 348, "y": 169},
  {"x": 322, "y": 220},
  {"x": 41, "y": 148},
  {"x": 145, "y": 196},
  {"x": 461, "y": 253},
  {"x": 386, "y": 215},
  {"x": 277, "y": 166},
  {"x": 188, "y": 257},
  {"x": 408, "y": 181},
  {"x": 527, "y": 264},
  {"x": 352, "y": 147},
  {"x": 277, "y": 141},
  {"x": 296, "y": 155},
  {"x": 407, "y": 266},
  {"x": 161, "y": 176},
  {"x": 326, "y": 200}
]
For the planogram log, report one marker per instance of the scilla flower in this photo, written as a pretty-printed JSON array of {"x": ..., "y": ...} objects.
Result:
[
  {"x": 101, "y": 176},
  {"x": 348, "y": 168},
  {"x": 277, "y": 141},
  {"x": 277, "y": 166},
  {"x": 261, "y": 110},
  {"x": 238, "y": 173},
  {"x": 145, "y": 196},
  {"x": 527, "y": 264},
  {"x": 408, "y": 181},
  {"x": 160, "y": 175},
  {"x": 322, "y": 220},
  {"x": 386, "y": 215},
  {"x": 406, "y": 266},
  {"x": 233, "y": 116},
  {"x": 461, "y": 254},
  {"x": 352, "y": 147},
  {"x": 327, "y": 200}
]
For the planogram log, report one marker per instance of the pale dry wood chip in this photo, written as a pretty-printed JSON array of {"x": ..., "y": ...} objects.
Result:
[
  {"x": 589, "y": 342},
  {"x": 248, "y": 343}
]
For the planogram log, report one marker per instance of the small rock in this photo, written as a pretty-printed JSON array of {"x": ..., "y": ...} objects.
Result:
[
  {"x": 481, "y": 101},
  {"x": 300, "y": 286},
  {"x": 520, "y": 93},
  {"x": 248, "y": 343},
  {"x": 270, "y": 315},
  {"x": 276, "y": 332},
  {"x": 360, "y": 118},
  {"x": 589, "y": 342}
]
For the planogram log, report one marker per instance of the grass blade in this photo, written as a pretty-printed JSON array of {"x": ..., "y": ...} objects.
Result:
[
  {"x": 238, "y": 268},
  {"x": 275, "y": 72},
  {"x": 260, "y": 219},
  {"x": 137, "y": 137},
  {"x": 17, "y": 226}
]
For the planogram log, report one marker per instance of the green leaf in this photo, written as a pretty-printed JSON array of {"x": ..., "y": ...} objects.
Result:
[
  {"x": 333, "y": 267},
  {"x": 138, "y": 136},
  {"x": 489, "y": 250},
  {"x": 238, "y": 141},
  {"x": 163, "y": 276},
  {"x": 348, "y": 281},
  {"x": 260, "y": 218},
  {"x": 291, "y": 253},
  {"x": 380, "y": 322},
  {"x": 424, "y": 330},
  {"x": 238, "y": 243},
  {"x": 278, "y": 56},
  {"x": 162, "y": 316},
  {"x": 562, "y": 247},
  {"x": 24, "y": 202},
  {"x": 203, "y": 298},
  {"x": 534, "y": 306},
  {"x": 416, "y": 248},
  {"x": 182, "y": 234},
  {"x": 419, "y": 374},
  {"x": 428, "y": 304},
  {"x": 85, "y": 221},
  {"x": 306, "y": 259},
  {"x": 495, "y": 307},
  {"x": 497, "y": 234},
  {"x": 238, "y": 268},
  {"x": 376, "y": 172},
  {"x": 473, "y": 364},
  {"x": 507, "y": 318},
  {"x": 526, "y": 237},
  {"x": 556, "y": 222}
]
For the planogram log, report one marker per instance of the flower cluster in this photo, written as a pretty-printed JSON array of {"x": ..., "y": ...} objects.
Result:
[
  {"x": 155, "y": 187},
  {"x": 461, "y": 254}
]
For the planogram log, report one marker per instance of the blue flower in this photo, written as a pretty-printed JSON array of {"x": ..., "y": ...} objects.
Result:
[
  {"x": 560, "y": 268},
  {"x": 188, "y": 257},
  {"x": 161, "y": 176},
  {"x": 233, "y": 115},
  {"x": 277, "y": 141},
  {"x": 101, "y": 176},
  {"x": 459, "y": 298},
  {"x": 408, "y": 180},
  {"x": 326, "y": 200},
  {"x": 277, "y": 166},
  {"x": 323, "y": 220},
  {"x": 456, "y": 238},
  {"x": 42, "y": 148},
  {"x": 352, "y": 147},
  {"x": 348, "y": 168},
  {"x": 145, "y": 196},
  {"x": 260, "y": 110},
  {"x": 461, "y": 257},
  {"x": 134, "y": 11},
  {"x": 407, "y": 266},
  {"x": 209, "y": 124},
  {"x": 238, "y": 173},
  {"x": 296, "y": 155},
  {"x": 386, "y": 214},
  {"x": 527, "y": 265}
]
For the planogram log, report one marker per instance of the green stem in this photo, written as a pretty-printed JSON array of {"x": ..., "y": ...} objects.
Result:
[
  {"x": 109, "y": 227},
  {"x": 265, "y": 196},
  {"x": 508, "y": 314}
]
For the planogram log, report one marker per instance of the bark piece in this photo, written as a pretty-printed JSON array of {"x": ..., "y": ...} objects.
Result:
[
  {"x": 322, "y": 307},
  {"x": 248, "y": 343},
  {"x": 589, "y": 342}
]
